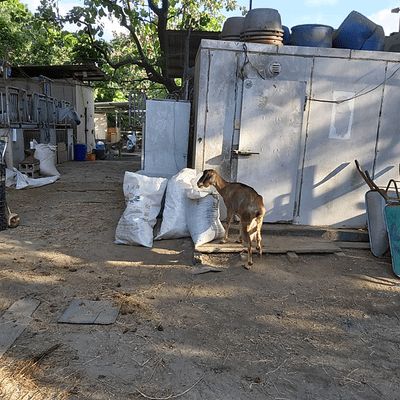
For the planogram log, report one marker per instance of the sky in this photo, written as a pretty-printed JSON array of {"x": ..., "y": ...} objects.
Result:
[{"x": 294, "y": 12}]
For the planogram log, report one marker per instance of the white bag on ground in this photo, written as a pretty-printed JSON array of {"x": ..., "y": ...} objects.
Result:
[
  {"x": 46, "y": 154},
  {"x": 143, "y": 197},
  {"x": 173, "y": 225},
  {"x": 202, "y": 218},
  {"x": 11, "y": 177},
  {"x": 23, "y": 181}
]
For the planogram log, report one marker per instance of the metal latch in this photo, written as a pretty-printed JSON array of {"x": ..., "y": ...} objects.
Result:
[{"x": 244, "y": 153}]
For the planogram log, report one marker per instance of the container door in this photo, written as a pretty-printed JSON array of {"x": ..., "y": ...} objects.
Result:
[{"x": 270, "y": 143}]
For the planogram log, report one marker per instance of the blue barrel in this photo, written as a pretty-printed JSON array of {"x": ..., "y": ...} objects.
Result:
[
  {"x": 355, "y": 31},
  {"x": 311, "y": 35},
  {"x": 286, "y": 34},
  {"x": 80, "y": 152},
  {"x": 376, "y": 42}
]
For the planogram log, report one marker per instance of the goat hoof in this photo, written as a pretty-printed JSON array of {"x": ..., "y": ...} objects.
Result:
[
  {"x": 248, "y": 266},
  {"x": 239, "y": 241},
  {"x": 223, "y": 241}
]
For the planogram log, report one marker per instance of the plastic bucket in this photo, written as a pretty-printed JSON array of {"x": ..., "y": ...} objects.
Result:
[
  {"x": 100, "y": 145},
  {"x": 80, "y": 152},
  {"x": 311, "y": 35},
  {"x": 232, "y": 28},
  {"x": 261, "y": 20},
  {"x": 100, "y": 154},
  {"x": 353, "y": 32}
]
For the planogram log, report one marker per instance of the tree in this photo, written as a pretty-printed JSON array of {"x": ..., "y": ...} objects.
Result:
[
  {"x": 27, "y": 39},
  {"x": 144, "y": 45}
]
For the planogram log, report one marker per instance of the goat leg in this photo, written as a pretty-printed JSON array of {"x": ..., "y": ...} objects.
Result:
[
  {"x": 228, "y": 224},
  {"x": 259, "y": 227},
  {"x": 241, "y": 235},
  {"x": 246, "y": 232}
]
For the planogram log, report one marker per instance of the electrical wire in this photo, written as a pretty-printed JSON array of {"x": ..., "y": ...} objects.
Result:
[
  {"x": 247, "y": 61},
  {"x": 359, "y": 94}
]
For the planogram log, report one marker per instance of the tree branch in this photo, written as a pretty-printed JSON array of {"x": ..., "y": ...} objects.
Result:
[{"x": 151, "y": 72}]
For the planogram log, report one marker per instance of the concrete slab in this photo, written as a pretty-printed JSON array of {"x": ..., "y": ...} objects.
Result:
[
  {"x": 14, "y": 321},
  {"x": 90, "y": 312}
]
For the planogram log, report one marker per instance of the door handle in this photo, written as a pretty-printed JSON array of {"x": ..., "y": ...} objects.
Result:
[{"x": 244, "y": 153}]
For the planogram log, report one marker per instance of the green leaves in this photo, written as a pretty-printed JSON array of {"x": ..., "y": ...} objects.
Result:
[
  {"x": 134, "y": 58},
  {"x": 28, "y": 39}
]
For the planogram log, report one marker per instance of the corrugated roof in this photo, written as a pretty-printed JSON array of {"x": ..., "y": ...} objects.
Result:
[
  {"x": 176, "y": 51},
  {"x": 84, "y": 73}
]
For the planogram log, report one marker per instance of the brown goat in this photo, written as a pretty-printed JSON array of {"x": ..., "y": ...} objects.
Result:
[{"x": 244, "y": 202}]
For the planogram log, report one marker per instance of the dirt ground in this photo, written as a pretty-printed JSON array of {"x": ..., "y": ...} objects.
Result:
[{"x": 323, "y": 327}]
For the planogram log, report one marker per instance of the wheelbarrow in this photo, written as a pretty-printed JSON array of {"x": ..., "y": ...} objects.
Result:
[
  {"x": 383, "y": 219},
  {"x": 12, "y": 218}
]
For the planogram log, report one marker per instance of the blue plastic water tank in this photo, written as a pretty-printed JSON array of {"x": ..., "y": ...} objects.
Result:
[
  {"x": 312, "y": 35},
  {"x": 286, "y": 35},
  {"x": 357, "y": 31},
  {"x": 376, "y": 42}
]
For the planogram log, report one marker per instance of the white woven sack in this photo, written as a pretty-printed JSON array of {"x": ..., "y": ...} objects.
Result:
[
  {"x": 143, "y": 197},
  {"x": 46, "y": 154},
  {"x": 173, "y": 225},
  {"x": 202, "y": 218},
  {"x": 196, "y": 193}
]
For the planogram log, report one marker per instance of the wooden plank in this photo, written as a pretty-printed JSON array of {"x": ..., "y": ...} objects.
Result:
[
  {"x": 14, "y": 321},
  {"x": 274, "y": 245},
  {"x": 354, "y": 245}
]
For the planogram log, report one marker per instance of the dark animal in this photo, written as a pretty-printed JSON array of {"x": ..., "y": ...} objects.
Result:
[{"x": 244, "y": 202}]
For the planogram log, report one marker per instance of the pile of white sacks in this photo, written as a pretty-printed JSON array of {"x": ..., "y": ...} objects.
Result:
[
  {"x": 186, "y": 210},
  {"x": 46, "y": 154}
]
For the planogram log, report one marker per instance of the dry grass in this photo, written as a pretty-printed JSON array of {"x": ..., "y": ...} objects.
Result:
[
  {"x": 133, "y": 305},
  {"x": 21, "y": 379}
]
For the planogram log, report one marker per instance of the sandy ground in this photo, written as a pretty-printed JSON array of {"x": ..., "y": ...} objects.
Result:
[{"x": 324, "y": 327}]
